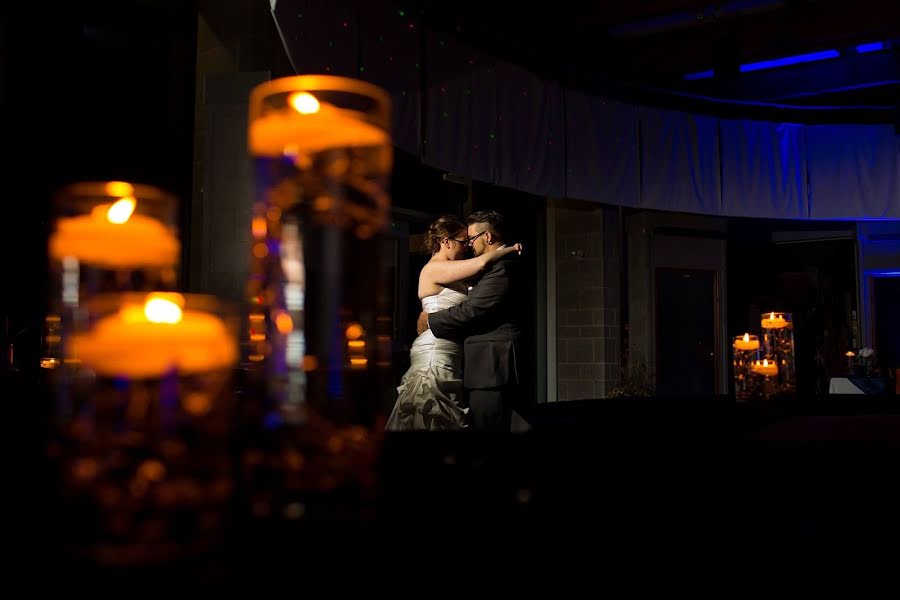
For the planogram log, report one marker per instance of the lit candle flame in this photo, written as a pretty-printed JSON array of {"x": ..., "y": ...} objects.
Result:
[
  {"x": 746, "y": 337},
  {"x": 304, "y": 103},
  {"x": 765, "y": 362},
  {"x": 159, "y": 308},
  {"x": 772, "y": 316},
  {"x": 121, "y": 210}
]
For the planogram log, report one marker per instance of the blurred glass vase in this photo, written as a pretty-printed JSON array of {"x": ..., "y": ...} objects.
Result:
[
  {"x": 143, "y": 463},
  {"x": 106, "y": 237},
  {"x": 317, "y": 336}
]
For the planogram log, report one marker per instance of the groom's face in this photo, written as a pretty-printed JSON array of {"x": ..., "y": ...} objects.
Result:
[{"x": 477, "y": 242}]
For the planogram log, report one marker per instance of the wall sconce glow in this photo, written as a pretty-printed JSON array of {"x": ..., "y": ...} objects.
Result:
[
  {"x": 121, "y": 210},
  {"x": 707, "y": 74},
  {"x": 304, "y": 103},
  {"x": 789, "y": 60},
  {"x": 870, "y": 47}
]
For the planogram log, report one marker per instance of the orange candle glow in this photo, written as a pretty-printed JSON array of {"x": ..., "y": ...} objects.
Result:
[
  {"x": 746, "y": 342},
  {"x": 146, "y": 341},
  {"x": 774, "y": 321},
  {"x": 309, "y": 126},
  {"x": 769, "y": 369},
  {"x": 111, "y": 236}
]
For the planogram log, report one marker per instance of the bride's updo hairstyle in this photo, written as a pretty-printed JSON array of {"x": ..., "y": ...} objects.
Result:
[{"x": 446, "y": 226}]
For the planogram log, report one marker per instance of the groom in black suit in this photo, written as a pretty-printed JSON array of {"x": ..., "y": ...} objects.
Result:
[{"x": 487, "y": 321}]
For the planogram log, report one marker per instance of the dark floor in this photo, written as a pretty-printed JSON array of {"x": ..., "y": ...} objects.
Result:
[{"x": 638, "y": 483}]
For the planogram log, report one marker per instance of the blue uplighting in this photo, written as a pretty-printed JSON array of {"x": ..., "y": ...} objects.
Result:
[
  {"x": 871, "y": 47},
  {"x": 707, "y": 74},
  {"x": 789, "y": 60}
]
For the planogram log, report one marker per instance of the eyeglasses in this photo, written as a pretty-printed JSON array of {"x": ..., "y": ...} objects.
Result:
[
  {"x": 463, "y": 242},
  {"x": 475, "y": 237}
]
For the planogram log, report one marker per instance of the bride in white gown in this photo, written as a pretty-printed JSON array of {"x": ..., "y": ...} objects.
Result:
[{"x": 430, "y": 395}]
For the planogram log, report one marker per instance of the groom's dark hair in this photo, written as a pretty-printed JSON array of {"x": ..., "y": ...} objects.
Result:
[{"x": 492, "y": 219}]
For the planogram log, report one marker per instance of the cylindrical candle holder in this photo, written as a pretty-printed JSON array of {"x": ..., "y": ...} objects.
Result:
[
  {"x": 143, "y": 465},
  {"x": 106, "y": 237},
  {"x": 319, "y": 325},
  {"x": 113, "y": 236},
  {"x": 745, "y": 349},
  {"x": 778, "y": 342}
]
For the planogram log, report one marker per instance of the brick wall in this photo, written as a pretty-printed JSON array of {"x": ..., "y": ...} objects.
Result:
[{"x": 587, "y": 300}]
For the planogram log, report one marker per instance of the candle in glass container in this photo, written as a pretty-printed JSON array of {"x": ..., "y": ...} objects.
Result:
[
  {"x": 746, "y": 342},
  {"x": 145, "y": 341},
  {"x": 112, "y": 236},
  {"x": 774, "y": 321},
  {"x": 310, "y": 127},
  {"x": 769, "y": 369}
]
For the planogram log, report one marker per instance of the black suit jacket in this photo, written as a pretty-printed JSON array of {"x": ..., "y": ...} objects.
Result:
[{"x": 487, "y": 321}]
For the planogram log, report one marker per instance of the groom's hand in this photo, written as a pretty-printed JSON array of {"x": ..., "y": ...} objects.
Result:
[{"x": 422, "y": 323}]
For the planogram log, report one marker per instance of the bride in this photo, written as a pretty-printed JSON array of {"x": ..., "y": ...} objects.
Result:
[{"x": 430, "y": 396}]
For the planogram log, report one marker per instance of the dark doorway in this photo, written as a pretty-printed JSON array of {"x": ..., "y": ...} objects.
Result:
[{"x": 686, "y": 332}]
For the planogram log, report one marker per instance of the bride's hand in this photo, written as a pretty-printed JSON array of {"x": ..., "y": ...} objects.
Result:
[{"x": 504, "y": 249}]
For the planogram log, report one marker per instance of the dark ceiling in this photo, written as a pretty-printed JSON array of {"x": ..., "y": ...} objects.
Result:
[{"x": 644, "y": 49}]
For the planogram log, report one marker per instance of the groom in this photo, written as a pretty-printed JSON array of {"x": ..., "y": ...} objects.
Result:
[{"x": 486, "y": 320}]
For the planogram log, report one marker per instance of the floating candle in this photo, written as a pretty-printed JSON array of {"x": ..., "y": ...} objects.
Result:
[
  {"x": 112, "y": 237},
  {"x": 307, "y": 128},
  {"x": 146, "y": 341},
  {"x": 769, "y": 369},
  {"x": 746, "y": 342},
  {"x": 774, "y": 321}
]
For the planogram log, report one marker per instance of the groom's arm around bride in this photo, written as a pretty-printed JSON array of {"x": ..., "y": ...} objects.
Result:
[{"x": 487, "y": 321}]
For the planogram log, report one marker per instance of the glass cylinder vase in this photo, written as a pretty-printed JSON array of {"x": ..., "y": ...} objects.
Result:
[
  {"x": 106, "y": 237},
  {"x": 319, "y": 322},
  {"x": 745, "y": 349},
  {"x": 144, "y": 468},
  {"x": 778, "y": 337}
]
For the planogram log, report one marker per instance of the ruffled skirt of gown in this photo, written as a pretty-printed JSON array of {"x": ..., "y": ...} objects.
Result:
[{"x": 430, "y": 395}]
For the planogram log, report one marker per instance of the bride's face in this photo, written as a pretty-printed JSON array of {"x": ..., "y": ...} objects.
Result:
[{"x": 458, "y": 245}]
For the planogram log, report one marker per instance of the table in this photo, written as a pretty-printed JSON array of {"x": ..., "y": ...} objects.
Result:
[{"x": 861, "y": 385}]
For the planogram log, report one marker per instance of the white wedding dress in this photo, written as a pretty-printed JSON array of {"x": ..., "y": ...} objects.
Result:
[{"x": 430, "y": 396}]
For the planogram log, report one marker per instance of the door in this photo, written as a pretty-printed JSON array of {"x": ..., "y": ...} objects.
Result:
[{"x": 686, "y": 349}]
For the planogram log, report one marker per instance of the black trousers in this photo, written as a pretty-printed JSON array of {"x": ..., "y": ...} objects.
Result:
[{"x": 491, "y": 409}]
